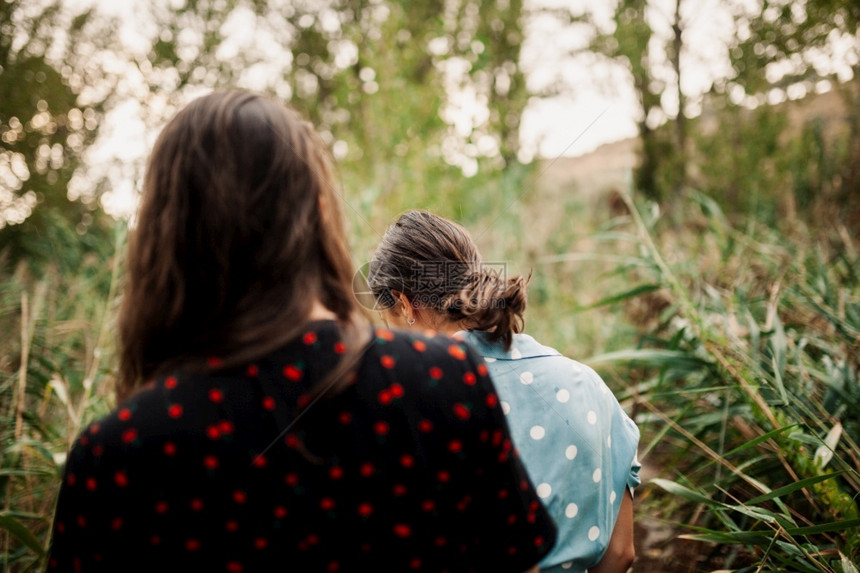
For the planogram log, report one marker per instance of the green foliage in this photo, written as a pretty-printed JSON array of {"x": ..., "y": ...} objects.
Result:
[
  {"x": 779, "y": 32},
  {"x": 744, "y": 163},
  {"x": 777, "y": 48},
  {"x": 630, "y": 45},
  {"x": 822, "y": 173},
  {"x": 46, "y": 124},
  {"x": 739, "y": 151},
  {"x": 749, "y": 383},
  {"x": 55, "y": 376}
]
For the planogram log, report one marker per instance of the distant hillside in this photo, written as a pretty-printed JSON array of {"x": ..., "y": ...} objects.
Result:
[{"x": 608, "y": 167}]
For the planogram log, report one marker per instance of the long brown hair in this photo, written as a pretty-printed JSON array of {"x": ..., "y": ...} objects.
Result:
[
  {"x": 436, "y": 264},
  {"x": 239, "y": 231}
]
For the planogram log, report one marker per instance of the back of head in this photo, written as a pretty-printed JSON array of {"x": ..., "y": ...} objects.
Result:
[
  {"x": 238, "y": 233},
  {"x": 436, "y": 264}
]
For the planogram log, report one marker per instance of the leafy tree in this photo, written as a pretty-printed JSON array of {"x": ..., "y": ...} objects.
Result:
[
  {"x": 631, "y": 44},
  {"x": 383, "y": 81},
  {"x": 783, "y": 48},
  {"x": 53, "y": 92},
  {"x": 774, "y": 49}
]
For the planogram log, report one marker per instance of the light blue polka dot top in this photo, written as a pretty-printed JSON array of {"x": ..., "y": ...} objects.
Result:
[{"x": 577, "y": 444}]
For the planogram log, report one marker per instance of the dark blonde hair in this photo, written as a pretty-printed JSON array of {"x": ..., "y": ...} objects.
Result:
[
  {"x": 436, "y": 264},
  {"x": 239, "y": 232}
]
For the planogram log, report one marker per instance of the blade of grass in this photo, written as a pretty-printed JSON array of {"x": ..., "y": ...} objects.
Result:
[
  {"x": 619, "y": 297},
  {"x": 826, "y": 527},
  {"x": 17, "y": 530},
  {"x": 763, "y": 438},
  {"x": 685, "y": 492}
]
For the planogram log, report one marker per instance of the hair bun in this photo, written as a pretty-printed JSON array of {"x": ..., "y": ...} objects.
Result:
[{"x": 491, "y": 303}]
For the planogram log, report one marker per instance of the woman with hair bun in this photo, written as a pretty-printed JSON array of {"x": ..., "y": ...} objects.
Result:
[
  {"x": 577, "y": 444},
  {"x": 263, "y": 423}
]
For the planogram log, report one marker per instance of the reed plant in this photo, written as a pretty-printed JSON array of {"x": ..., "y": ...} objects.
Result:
[
  {"x": 55, "y": 376},
  {"x": 744, "y": 380}
]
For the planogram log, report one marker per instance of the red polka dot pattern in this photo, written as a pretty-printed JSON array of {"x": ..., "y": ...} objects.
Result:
[
  {"x": 407, "y": 468},
  {"x": 292, "y": 372},
  {"x": 457, "y": 351}
]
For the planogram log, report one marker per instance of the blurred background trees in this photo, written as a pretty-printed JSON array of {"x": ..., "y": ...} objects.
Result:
[
  {"x": 421, "y": 87},
  {"x": 774, "y": 51},
  {"x": 53, "y": 91},
  {"x": 748, "y": 288}
]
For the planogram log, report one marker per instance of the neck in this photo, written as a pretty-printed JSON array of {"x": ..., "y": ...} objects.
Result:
[
  {"x": 449, "y": 328},
  {"x": 440, "y": 325}
]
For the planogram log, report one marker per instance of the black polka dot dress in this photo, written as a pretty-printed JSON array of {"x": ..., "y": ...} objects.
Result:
[{"x": 411, "y": 468}]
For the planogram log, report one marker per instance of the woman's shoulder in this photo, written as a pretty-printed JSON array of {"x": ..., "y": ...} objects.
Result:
[
  {"x": 146, "y": 411},
  {"x": 420, "y": 346},
  {"x": 522, "y": 346},
  {"x": 528, "y": 360},
  {"x": 429, "y": 362}
]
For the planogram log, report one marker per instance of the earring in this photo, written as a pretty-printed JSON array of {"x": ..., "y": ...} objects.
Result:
[{"x": 410, "y": 321}]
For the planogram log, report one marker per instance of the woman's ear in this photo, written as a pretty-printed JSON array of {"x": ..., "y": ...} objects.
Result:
[
  {"x": 403, "y": 299},
  {"x": 400, "y": 297},
  {"x": 406, "y": 305}
]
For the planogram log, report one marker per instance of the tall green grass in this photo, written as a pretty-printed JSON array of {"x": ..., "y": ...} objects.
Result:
[
  {"x": 735, "y": 346},
  {"x": 745, "y": 379},
  {"x": 55, "y": 376}
]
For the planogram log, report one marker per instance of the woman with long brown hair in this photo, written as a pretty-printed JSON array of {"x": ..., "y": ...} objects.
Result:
[
  {"x": 262, "y": 422},
  {"x": 576, "y": 442}
]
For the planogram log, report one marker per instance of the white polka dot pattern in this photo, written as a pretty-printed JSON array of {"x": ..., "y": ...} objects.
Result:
[{"x": 558, "y": 406}]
